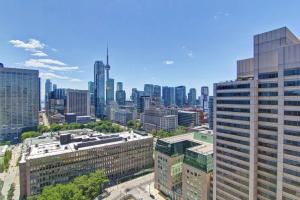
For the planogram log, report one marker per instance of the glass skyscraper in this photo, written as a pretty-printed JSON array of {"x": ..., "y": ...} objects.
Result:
[
  {"x": 180, "y": 96},
  {"x": 99, "y": 81}
]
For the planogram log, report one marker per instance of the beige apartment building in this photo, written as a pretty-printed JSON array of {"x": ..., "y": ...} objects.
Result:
[
  {"x": 47, "y": 163},
  {"x": 184, "y": 165},
  {"x": 257, "y": 123}
]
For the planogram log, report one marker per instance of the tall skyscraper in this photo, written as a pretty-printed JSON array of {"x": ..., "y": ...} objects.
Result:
[
  {"x": 192, "y": 97},
  {"x": 134, "y": 95},
  {"x": 120, "y": 94},
  {"x": 19, "y": 101},
  {"x": 204, "y": 97},
  {"x": 172, "y": 95},
  {"x": 48, "y": 89},
  {"x": 99, "y": 81},
  {"x": 180, "y": 96},
  {"x": 149, "y": 89},
  {"x": 257, "y": 123}
]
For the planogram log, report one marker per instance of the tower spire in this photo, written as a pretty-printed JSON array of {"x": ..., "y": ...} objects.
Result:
[{"x": 107, "y": 54}]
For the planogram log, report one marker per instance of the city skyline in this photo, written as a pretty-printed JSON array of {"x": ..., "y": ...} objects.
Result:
[{"x": 151, "y": 51}]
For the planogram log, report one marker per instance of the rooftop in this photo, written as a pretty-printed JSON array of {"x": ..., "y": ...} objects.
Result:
[{"x": 68, "y": 142}]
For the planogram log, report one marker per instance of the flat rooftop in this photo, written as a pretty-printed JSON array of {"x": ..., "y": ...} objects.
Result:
[{"x": 45, "y": 147}]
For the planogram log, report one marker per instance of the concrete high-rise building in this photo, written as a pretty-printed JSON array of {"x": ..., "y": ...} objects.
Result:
[
  {"x": 211, "y": 112},
  {"x": 19, "y": 102},
  {"x": 78, "y": 102},
  {"x": 180, "y": 96},
  {"x": 110, "y": 90},
  {"x": 257, "y": 123},
  {"x": 99, "y": 81},
  {"x": 204, "y": 98},
  {"x": 48, "y": 89},
  {"x": 192, "y": 95},
  {"x": 184, "y": 166},
  {"x": 149, "y": 89}
]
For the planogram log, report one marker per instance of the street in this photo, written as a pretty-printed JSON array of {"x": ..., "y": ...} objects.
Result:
[
  {"x": 12, "y": 174},
  {"x": 138, "y": 188}
]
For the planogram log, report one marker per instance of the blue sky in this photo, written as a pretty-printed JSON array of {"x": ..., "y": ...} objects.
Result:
[{"x": 165, "y": 42}]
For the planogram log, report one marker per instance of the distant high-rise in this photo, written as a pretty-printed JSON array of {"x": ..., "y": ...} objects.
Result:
[
  {"x": 110, "y": 90},
  {"x": 180, "y": 96},
  {"x": 99, "y": 81},
  {"x": 156, "y": 93},
  {"x": 78, "y": 102},
  {"x": 257, "y": 123},
  {"x": 48, "y": 89},
  {"x": 149, "y": 89},
  {"x": 120, "y": 94},
  {"x": 54, "y": 87},
  {"x": 166, "y": 96},
  {"x": 204, "y": 97},
  {"x": 192, "y": 97},
  {"x": 134, "y": 95},
  {"x": 19, "y": 102},
  {"x": 119, "y": 86}
]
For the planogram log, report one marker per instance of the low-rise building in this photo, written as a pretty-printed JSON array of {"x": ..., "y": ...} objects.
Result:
[
  {"x": 70, "y": 155},
  {"x": 184, "y": 165}
]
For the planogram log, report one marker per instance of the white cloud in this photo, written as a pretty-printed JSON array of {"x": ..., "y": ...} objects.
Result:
[
  {"x": 53, "y": 49},
  {"x": 168, "y": 62},
  {"x": 39, "y": 54},
  {"x": 190, "y": 54},
  {"x": 50, "y": 64},
  {"x": 50, "y": 75},
  {"x": 31, "y": 45},
  {"x": 220, "y": 14}
]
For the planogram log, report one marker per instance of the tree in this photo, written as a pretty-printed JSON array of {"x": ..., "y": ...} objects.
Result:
[
  {"x": 30, "y": 134},
  {"x": 42, "y": 129},
  {"x": 86, "y": 187},
  {"x": 7, "y": 158}
]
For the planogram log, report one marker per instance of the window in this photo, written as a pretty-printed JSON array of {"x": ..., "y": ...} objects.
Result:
[
  {"x": 291, "y": 72},
  {"x": 233, "y": 140},
  {"x": 242, "y": 126},
  {"x": 268, "y": 128},
  {"x": 241, "y": 102},
  {"x": 291, "y": 123},
  {"x": 267, "y": 94},
  {"x": 292, "y": 83},
  {"x": 267, "y": 85},
  {"x": 245, "y": 110},
  {"x": 242, "y": 118},
  {"x": 268, "y": 75},
  {"x": 229, "y": 87},
  {"x": 292, "y": 93},
  {"x": 234, "y": 94},
  {"x": 267, "y": 119},
  {"x": 292, "y": 103},
  {"x": 230, "y": 132},
  {"x": 292, "y": 113},
  {"x": 268, "y": 111},
  {"x": 267, "y": 102}
]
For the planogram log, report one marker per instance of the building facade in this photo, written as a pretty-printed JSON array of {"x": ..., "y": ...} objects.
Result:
[
  {"x": 110, "y": 90},
  {"x": 99, "y": 81},
  {"x": 188, "y": 118},
  {"x": 180, "y": 96},
  {"x": 256, "y": 123},
  {"x": 204, "y": 97},
  {"x": 183, "y": 167},
  {"x": 120, "y": 155},
  {"x": 192, "y": 95},
  {"x": 211, "y": 112},
  {"x": 48, "y": 89},
  {"x": 78, "y": 102},
  {"x": 19, "y": 102}
]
